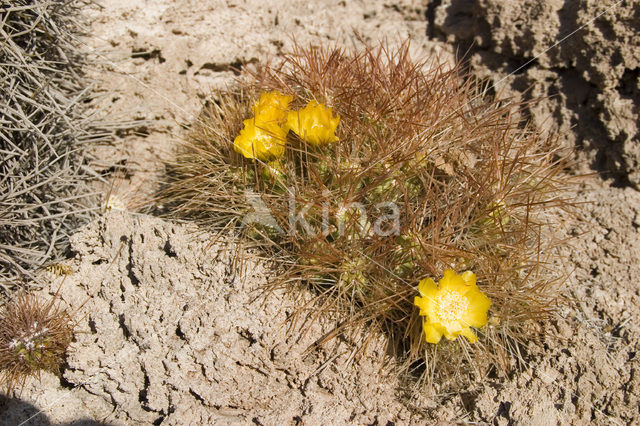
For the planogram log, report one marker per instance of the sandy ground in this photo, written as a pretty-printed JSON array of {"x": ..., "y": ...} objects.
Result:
[{"x": 175, "y": 331}]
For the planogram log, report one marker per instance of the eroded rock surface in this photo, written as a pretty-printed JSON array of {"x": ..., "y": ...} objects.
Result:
[
  {"x": 177, "y": 328},
  {"x": 583, "y": 56}
]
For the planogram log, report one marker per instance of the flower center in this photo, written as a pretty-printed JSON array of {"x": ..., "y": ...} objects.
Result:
[{"x": 451, "y": 307}]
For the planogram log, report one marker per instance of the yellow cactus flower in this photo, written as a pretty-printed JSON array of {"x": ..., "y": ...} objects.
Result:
[
  {"x": 313, "y": 123},
  {"x": 452, "y": 307},
  {"x": 272, "y": 107},
  {"x": 262, "y": 141},
  {"x": 263, "y": 137}
]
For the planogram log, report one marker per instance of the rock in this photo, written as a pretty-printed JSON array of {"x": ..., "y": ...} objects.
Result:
[
  {"x": 174, "y": 327},
  {"x": 582, "y": 58}
]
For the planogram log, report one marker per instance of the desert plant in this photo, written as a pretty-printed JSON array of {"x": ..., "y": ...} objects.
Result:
[
  {"x": 44, "y": 130},
  {"x": 34, "y": 336},
  {"x": 378, "y": 172}
]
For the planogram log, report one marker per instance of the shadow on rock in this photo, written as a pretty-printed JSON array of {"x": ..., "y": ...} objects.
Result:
[
  {"x": 14, "y": 411},
  {"x": 578, "y": 58}
]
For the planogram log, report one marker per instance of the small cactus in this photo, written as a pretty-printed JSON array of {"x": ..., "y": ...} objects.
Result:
[
  {"x": 389, "y": 172},
  {"x": 34, "y": 336}
]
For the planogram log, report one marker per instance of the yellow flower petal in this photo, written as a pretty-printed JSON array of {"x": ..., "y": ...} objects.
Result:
[
  {"x": 272, "y": 107},
  {"x": 469, "y": 334},
  {"x": 422, "y": 303},
  {"x": 427, "y": 288},
  {"x": 479, "y": 304},
  {"x": 469, "y": 278},
  {"x": 453, "y": 282},
  {"x": 449, "y": 335},
  {"x": 432, "y": 332},
  {"x": 447, "y": 279},
  {"x": 263, "y": 142},
  {"x": 314, "y": 123}
]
